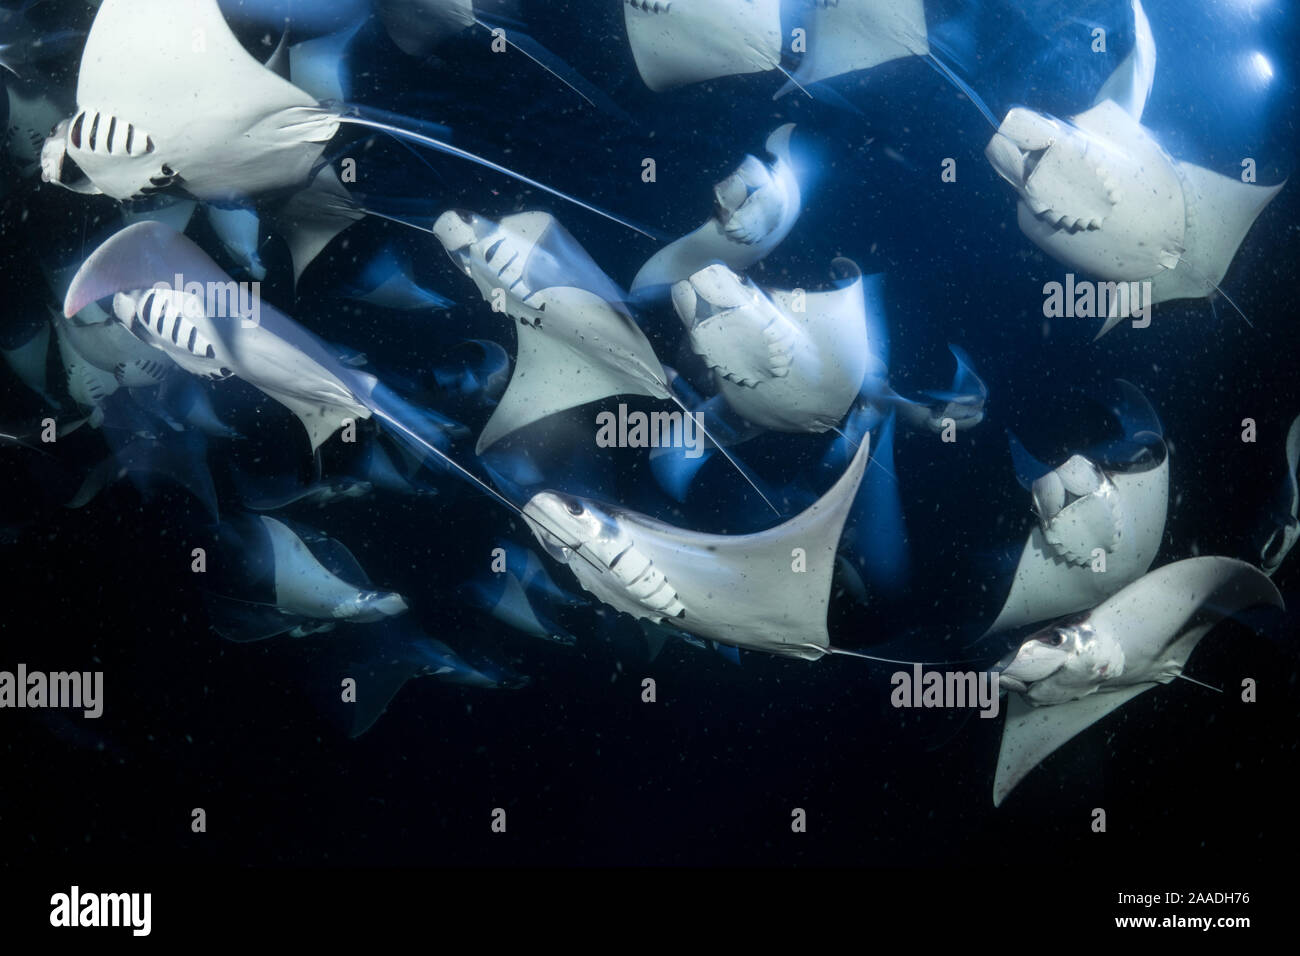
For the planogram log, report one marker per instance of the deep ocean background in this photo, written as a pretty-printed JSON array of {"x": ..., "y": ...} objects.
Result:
[{"x": 1190, "y": 780}]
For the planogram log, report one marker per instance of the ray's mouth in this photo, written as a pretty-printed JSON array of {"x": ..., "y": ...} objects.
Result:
[
  {"x": 1047, "y": 511},
  {"x": 692, "y": 307},
  {"x": 456, "y": 230},
  {"x": 710, "y": 293},
  {"x": 1030, "y": 158},
  {"x": 552, "y": 543},
  {"x": 63, "y": 170},
  {"x": 1007, "y": 682},
  {"x": 1014, "y": 162}
]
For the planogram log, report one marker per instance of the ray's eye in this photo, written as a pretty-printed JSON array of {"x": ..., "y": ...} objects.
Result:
[
  {"x": 575, "y": 508},
  {"x": 1055, "y": 639}
]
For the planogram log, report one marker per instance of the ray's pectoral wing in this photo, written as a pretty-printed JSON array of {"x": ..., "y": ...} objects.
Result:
[
  {"x": 311, "y": 218},
  {"x": 683, "y": 257},
  {"x": 834, "y": 323},
  {"x": 1048, "y": 584},
  {"x": 767, "y": 591},
  {"x": 192, "y": 63},
  {"x": 1292, "y": 462},
  {"x": 678, "y": 43},
  {"x": 1130, "y": 84},
  {"x": 1158, "y": 620},
  {"x": 1220, "y": 211},
  {"x": 559, "y": 367},
  {"x": 283, "y": 361},
  {"x": 859, "y": 34},
  {"x": 1150, "y": 615},
  {"x": 1031, "y": 734},
  {"x": 319, "y": 419}
]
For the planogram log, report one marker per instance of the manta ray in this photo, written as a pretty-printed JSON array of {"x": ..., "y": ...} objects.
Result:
[
  {"x": 767, "y": 591},
  {"x": 273, "y": 353},
  {"x": 239, "y": 231},
  {"x": 962, "y": 404},
  {"x": 688, "y": 41},
  {"x": 577, "y": 341},
  {"x": 311, "y": 582},
  {"x": 511, "y": 606},
  {"x": 1098, "y": 529},
  {"x": 1066, "y": 677},
  {"x": 101, "y": 358},
  {"x": 416, "y": 26},
  {"x": 1284, "y": 535},
  {"x": 383, "y": 656},
  {"x": 799, "y": 361},
  {"x": 754, "y": 209},
  {"x": 269, "y": 351},
  {"x": 34, "y": 109},
  {"x": 1099, "y": 194},
  {"x": 26, "y": 351},
  {"x": 844, "y": 36},
  {"x": 784, "y": 360},
  {"x": 168, "y": 100}
]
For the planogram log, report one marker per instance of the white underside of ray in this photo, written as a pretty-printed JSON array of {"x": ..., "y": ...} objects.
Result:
[
  {"x": 173, "y": 212},
  {"x": 1220, "y": 211},
  {"x": 273, "y": 354},
  {"x": 741, "y": 590},
  {"x": 858, "y": 34},
  {"x": 1104, "y": 198},
  {"x": 1107, "y": 200},
  {"x": 111, "y": 348},
  {"x": 1031, "y": 734},
  {"x": 88, "y": 385},
  {"x": 226, "y": 125},
  {"x": 1047, "y": 584},
  {"x": 1157, "y": 620},
  {"x": 1152, "y": 218},
  {"x": 689, "y": 41},
  {"x": 564, "y": 364},
  {"x": 304, "y": 586},
  {"x": 515, "y": 610},
  {"x": 575, "y": 346},
  {"x": 756, "y": 226},
  {"x": 812, "y": 350}
]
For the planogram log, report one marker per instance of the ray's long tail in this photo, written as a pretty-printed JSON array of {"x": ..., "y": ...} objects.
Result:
[
  {"x": 399, "y": 128},
  {"x": 425, "y": 434}
]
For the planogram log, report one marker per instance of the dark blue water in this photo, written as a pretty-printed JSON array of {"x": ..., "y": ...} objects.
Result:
[{"x": 709, "y": 774}]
